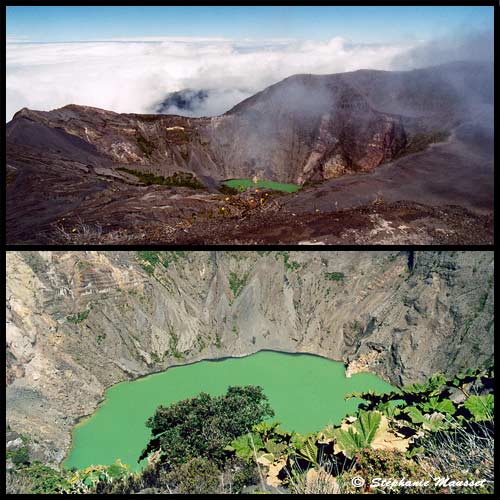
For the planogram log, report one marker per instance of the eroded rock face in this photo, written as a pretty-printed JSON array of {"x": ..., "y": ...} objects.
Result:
[
  {"x": 280, "y": 144},
  {"x": 306, "y": 127},
  {"x": 79, "y": 164},
  {"x": 78, "y": 322}
]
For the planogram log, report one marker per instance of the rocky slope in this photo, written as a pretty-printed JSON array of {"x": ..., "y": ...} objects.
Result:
[
  {"x": 78, "y": 322},
  {"x": 431, "y": 128},
  {"x": 306, "y": 127}
]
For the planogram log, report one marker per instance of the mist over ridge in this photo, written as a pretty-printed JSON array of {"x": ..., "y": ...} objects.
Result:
[{"x": 139, "y": 75}]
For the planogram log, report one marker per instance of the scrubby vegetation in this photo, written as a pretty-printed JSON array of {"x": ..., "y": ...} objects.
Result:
[
  {"x": 145, "y": 146},
  {"x": 203, "y": 425},
  {"x": 244, "y": 184},
  {"x": 180, "y": 179},
  {"x": 37, "y": 478},
  {"x": 335, "y": 276},
  {"x": 78, "y": 317},
  {"x": 172, "y": 344},
  {"x": 286, "y": 261},
  {"x": 237, "y": 283},
  {"x": 435, "y": 437},
  {"x": 149, "y": 258},
  {"x": 19, "y": 456}
]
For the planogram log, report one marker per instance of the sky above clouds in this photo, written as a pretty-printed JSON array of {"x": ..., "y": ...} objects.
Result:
[{"x": 127, "y": 59}]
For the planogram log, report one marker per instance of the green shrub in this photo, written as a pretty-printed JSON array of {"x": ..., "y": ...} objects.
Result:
[
  {"x": 198, "y": 475},
  {"x": 335, "y": 276},
  {"x": 149, "y": 258},
  {"x": 286, "y": 257},
  {"x": 202, "y": 426},
  {"x": 239, "y": 474},
  {"x": 172, "y": 344},
  {"x": 391, "y": 465},
  {"x": 236, "y": 283},
  {"x": 172, "y": 256},
  {"x": 45, "y": 479},
  {"x": 145, "y": 146},
  {"x": 79, "y": 317},
  {"x": 19, "y": 457}
]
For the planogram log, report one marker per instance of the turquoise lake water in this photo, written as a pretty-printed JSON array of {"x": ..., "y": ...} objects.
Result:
[{"x": 306, "y": 392}]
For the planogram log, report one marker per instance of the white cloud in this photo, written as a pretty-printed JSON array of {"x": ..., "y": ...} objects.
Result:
[{"x": 135, "y": 75}]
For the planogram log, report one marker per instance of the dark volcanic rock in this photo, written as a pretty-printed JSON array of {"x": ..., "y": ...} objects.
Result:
[{"x": 303, "y": 129}]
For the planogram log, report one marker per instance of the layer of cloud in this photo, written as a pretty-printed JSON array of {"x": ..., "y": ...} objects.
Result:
[
  {"x": 136, "y": 75},
  {"x": 465, "y": 47}
]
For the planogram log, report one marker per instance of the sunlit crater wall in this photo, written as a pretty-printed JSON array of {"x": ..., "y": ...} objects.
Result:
[{"x": 78, "y": 322}]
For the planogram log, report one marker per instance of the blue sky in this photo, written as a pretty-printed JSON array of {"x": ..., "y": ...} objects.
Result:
[{"x": 357, "y": 24}]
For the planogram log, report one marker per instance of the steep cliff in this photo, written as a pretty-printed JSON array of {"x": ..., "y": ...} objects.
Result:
[
  {"x": 78, "y": 322},
  {"x": 423, "y": 138}
]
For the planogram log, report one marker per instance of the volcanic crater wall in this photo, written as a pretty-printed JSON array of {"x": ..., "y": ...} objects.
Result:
[
  {"x": 78, "y": 322},
  {"x": 303, "y": 128}
]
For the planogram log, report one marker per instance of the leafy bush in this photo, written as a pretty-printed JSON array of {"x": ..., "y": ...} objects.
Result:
[
  {"x": 44, "y": 479},
  {"x": 430, "y": 406},
  {"x": 335, "y": 276},
  {"x": 236, "y": 283},
  {"x": 369, "y": 428},
  {"x": 86, "y": 480},
  {"x": 390, "y": 432},
  {"x": 202, "y": 426},
  {"x": 78, "y": 317},
  {"x": 198, "y": 475},
  {"x": 149, "y": 258},
  {"x": 386, "y": 464},
  {"x": 146, "y": 147},
  {"x": 440, "y": 428},
  {"x": 293, "y": 266},
  {"x": 19, "y": 457},
  {"x": 238, "y": 474}
]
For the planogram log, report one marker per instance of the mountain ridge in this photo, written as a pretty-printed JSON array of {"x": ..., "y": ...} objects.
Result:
[{"x": 304, "y": 130}]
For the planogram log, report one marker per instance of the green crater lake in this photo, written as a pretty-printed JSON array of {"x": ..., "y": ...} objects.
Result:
[
  {"x": 243, "y": 184},
  {"x": 306, "y": 392}
]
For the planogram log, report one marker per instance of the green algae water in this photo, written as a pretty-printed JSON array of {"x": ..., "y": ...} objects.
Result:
[
  {"x": 242, "y": 184},
  {"x": 306, "y": 392}
]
